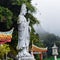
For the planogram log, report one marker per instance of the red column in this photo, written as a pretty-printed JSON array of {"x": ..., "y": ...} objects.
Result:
[{"x": 41, "y": 56}]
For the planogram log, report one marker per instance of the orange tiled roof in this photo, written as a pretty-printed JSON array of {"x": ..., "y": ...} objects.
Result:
[{"x": 37, "y": 49}]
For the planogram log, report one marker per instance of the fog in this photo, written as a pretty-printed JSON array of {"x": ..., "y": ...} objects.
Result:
[{"x": 48, "y": 13}]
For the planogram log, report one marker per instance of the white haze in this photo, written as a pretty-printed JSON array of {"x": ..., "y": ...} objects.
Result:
[{"x": 48, "y": 13}]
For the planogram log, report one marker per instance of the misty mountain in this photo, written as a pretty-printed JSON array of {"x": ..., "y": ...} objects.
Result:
[{"x": 39, "y": 30}]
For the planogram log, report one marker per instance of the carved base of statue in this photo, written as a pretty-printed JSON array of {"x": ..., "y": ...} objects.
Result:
[{"x": 24, "y": 55}]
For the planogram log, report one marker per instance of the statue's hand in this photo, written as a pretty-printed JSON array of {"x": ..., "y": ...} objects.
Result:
[{"x": 28, "y": 20}]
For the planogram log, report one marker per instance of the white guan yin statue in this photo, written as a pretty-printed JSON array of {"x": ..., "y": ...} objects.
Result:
[{"x": 23, "y": 34}]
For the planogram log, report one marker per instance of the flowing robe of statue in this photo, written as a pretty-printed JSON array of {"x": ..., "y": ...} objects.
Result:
[
  {"x": 23, "y": 36},
  {"x": 23, "y": 30}
]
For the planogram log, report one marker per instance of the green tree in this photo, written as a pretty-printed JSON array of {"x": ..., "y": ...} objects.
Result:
[
  {"x": 4, "y": 50},
  {"x": 11, "y": 9},
  {"x": 49, "y": 41}
]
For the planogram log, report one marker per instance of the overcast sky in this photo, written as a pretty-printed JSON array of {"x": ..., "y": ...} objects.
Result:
[{"x": 48, "y": 13}]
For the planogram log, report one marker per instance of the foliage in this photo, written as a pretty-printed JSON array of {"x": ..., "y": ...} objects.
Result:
[
  {"x": 27, "y": 2},
  {"x": 6, "y": 16},
  {"x": 33, "y": 20},
  {"x": 35, "y": 40},
  {"x": 14, "y": 6},
  {"x": 49, "y": 41},
  {"x": 37, "y": 57},
  {"x": 49, "y": 58},
  {"x": 11, "y": 9},
  {"x": 10, "y": 59},
  {"x": 4, "y": 49}
]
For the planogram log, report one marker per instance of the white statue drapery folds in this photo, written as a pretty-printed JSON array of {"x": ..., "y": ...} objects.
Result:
[
  {"x": 24, "y": 29},
  {"x": 23, "y": 34}
]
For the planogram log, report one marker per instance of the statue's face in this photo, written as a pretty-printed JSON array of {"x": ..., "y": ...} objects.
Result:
[{"x": 23, "y": 9}]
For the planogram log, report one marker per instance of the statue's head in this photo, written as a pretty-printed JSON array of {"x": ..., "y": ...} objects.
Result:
[
  {"x": 22, "y": 13},
  {"x": 23, "y": 9}
]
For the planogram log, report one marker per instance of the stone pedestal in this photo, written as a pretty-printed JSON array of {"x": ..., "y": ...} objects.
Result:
[
  {"x": 25, "y": 55},
  {"x": 26, "y": 58}
]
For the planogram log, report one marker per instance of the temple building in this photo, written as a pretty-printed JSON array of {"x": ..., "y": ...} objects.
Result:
[{"x": 38, "y": 50}]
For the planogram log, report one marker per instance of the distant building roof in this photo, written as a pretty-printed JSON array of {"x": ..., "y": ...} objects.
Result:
[{"x": 38, "y": 49}]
